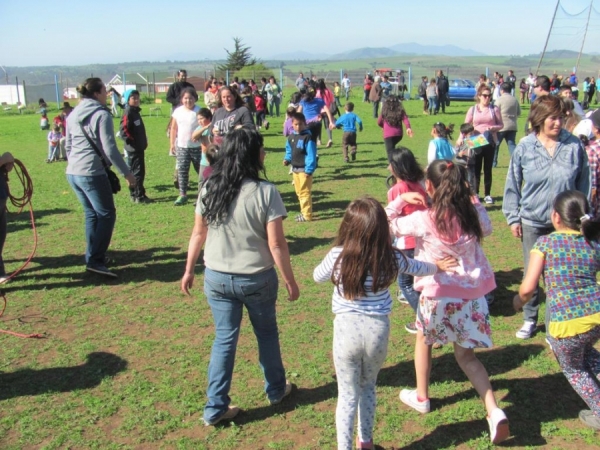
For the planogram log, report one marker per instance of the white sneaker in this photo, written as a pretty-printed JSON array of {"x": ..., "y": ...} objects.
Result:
[
  {"x": 409, "y": 397},
  {"x": 498, "y": 423},
  {"x": 527, "y": 330},
  {"x": 401, "y": 297},
  {"x": 489, "y": 200}
]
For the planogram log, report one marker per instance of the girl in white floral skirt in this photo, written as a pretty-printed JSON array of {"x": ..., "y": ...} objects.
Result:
[{"x": 452, "y": 307}]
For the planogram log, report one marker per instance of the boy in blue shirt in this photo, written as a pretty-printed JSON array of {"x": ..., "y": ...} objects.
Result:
[
  {"x": 301, "y": 153},
  {"x": 348, "y": 123}
]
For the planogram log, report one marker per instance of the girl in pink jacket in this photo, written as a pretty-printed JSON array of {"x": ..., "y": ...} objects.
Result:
[{"x": 452, "y": 306}]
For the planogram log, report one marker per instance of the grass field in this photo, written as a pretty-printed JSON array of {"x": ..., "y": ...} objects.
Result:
[{"x": 123, "y": 363}]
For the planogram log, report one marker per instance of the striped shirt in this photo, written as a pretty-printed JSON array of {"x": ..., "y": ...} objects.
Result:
[
  {"x": 593, "y": 153},
  {"x": 373, "y": 303}
]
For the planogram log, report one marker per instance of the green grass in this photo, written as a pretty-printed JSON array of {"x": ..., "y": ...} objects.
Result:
[{"x": 124, "y": 362}]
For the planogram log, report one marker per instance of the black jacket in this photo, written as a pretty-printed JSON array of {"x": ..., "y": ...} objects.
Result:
[
  {"x": 133, "y": 131},
  {"x": 174, "y": 92}
]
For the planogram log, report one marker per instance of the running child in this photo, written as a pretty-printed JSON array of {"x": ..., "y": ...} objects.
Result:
[
  {"x": 348, "y": 122},
  {"x": 393, "y": 115},
  {"x": 569, "y": 259},
  {"x": 466, "y": 155},
  {"x": 407, "y": 176},
  {"x": 301, "y": 153},
  {"x": 452, "y": 307},
  {"x": 288, "y": 129},
  {"x": 202, "y": 135},
  {"x": 260, "y": 104},
  {"x": 440, "y": 146},
  {"x": 362, "y": 265}
]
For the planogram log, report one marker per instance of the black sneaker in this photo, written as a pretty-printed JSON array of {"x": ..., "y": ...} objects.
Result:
[
  {"x": 300, "y": 218},
  {"x": 101, "y": 270},
  {"x": 267, "y": 126},
  {"x": 353, "y": 156}
]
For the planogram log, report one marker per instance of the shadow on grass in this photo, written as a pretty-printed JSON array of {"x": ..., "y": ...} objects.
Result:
[
  {"x": 300, "y": 245},
  {"x": 17, "y": 222},
  {"x": 445, "y": 368},
  {"x": 164, "y": 264},
  {"x": 503, "y": 296},
  {"x": 98, "y": 366},
  {"x": 534, "y": 401}
]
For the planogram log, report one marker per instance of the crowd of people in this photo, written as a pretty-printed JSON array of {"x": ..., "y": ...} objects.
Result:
[{"x": 427, "y": 239}]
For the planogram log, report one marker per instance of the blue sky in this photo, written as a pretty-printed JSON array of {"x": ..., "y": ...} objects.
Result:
[{"x": 69, "y": 32}]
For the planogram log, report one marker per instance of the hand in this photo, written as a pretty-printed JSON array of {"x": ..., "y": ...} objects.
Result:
[
  {"x": 215, "y": 131},
  {"x": 414, "y": 198},
  {"x": 286, "y": 163},
  {"x": 172, "y": 151},
  {"x": 444, "y": 265},
  {"x": 187, "y": 282},
  {"x": 409, "y": 132},
  {"x": 293, "y": 291},
  {"x": 331, "y": 126},
  {"x": 516, "y": 230},
  {"x": 131, "y": 181},
  {"x": 518, "y": 302}
]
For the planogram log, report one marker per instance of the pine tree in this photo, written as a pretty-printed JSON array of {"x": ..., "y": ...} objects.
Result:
[{"x": 239, "y": 57}]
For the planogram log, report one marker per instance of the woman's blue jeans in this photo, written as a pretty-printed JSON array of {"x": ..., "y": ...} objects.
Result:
[
  {"x": 406, "y": 284},
  {"x": 96, "y": 197},
  {"x": 227, "y": 295}
]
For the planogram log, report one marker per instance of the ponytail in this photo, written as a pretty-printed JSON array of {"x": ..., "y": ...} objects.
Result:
[
  {"x": 90, "y": 87},
  {"x": 574, "y": 211},
  {"x": 452, "y": 204},
  {"x": 443, "y": 131}
]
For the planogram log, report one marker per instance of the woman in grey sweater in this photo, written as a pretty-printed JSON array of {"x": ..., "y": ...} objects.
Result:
[{"x": 87, "y": 175}]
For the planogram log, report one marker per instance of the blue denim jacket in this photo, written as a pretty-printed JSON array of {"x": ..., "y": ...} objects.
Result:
[{"x": 535, "y": 178}]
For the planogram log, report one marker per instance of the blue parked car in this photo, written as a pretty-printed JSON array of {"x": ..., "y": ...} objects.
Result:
[{"x": 461, "y": 90}]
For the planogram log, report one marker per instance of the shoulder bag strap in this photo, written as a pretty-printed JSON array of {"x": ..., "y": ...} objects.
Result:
[{"x": 93, "y": 144}]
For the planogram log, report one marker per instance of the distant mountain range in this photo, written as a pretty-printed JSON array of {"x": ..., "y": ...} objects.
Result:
[{"x": 411, "y": 48}]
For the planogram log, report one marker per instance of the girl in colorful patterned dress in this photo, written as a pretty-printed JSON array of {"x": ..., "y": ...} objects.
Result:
[
  {"x": 362, "y": 265},
  {"x": 569, "y": 259},
  {"x": 452, "y": 306}
]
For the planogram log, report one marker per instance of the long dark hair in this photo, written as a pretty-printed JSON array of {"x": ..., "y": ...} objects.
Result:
[
  {"x": 239, "y": 159},
  {"x": 90, "y": 87},
  {"x": 392, "y": 111},
  {"x": 574, "y": 211},
  {"x": 451, "y": 201},
  {"x": 366, "y": 243},
  {"x": 405, "y": 166},
  {"x": 236, "y": 95}
]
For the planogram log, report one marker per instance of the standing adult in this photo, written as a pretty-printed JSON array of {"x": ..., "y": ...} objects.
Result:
[
  {"x": 401, "y": 84},
  {"x": 422, "y": 91},
  {"x": 486, "y": 120},
  {"x": 591, "y": 91},
  {"x": 443, "y": 87},
  {"x": 375, "y": 97},
  {"x": 91, "y": 125},
  {"x": 230, "y": 114},
  {"x": 386, "y": 88},
  {"x": 239, "y": 222},
  {"x": 510, "y": 110},
  {"x": 512, "y": 79},
  {"x": 300, "y": 82},
  {"x": 274, "y": 94},
  {"x": 174, "y": 92},
  {"x": 546, "y": 162},
  {"x": 346, "y": 85},
  {"x": 61, "y": 122}
]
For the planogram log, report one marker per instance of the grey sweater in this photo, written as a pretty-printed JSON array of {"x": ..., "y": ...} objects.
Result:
[
  {"x": 98, "y": 122},
  {"x": 534, "y": 178}
]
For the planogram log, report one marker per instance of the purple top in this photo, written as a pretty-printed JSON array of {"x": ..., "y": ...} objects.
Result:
[
  {"x": 288, "y": 129},
  {"x": 390, "y": 131}
]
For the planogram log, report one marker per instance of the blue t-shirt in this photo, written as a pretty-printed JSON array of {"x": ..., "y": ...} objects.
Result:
[{"x": 312, "y": 109}]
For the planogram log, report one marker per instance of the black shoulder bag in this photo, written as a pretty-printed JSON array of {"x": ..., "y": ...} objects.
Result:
[{"x": 113, "y": 179}]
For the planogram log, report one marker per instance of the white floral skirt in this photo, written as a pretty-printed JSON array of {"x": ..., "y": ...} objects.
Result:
[{"x": 446, "y": 319}]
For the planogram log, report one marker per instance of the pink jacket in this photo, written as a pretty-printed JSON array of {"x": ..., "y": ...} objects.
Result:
[{"x": 471, "y": 279}]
